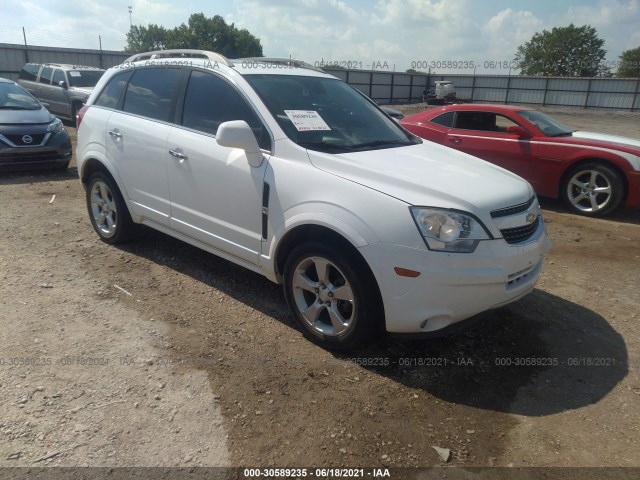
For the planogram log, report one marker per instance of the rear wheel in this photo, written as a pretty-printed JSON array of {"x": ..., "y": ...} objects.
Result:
[
  {"x": 75, "y": 108},
  {"x": 593, "y": 189},
  {"x": 333, "y": 297},
  {"x": 107, "y": 210}
]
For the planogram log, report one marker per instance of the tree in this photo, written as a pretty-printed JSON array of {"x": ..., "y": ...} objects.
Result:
[
  {"x": 630, "y": 63},
  {"x": 564, "y": 52},
  {"x": 199, "y": 33},
  {"x": 144, "y": 39}
]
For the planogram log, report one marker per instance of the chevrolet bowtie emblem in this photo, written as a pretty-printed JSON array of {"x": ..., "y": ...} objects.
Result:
[{"x": 531, "y": 218}]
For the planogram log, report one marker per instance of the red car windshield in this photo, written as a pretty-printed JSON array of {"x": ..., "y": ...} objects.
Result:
[{"x": 546, "y": 124}]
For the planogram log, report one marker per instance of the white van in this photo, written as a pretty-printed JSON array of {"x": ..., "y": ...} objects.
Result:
[{"x": 292, "y": 173}]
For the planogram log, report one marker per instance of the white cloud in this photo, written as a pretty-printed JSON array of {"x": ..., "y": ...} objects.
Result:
[{"x": 507, "y": 30}]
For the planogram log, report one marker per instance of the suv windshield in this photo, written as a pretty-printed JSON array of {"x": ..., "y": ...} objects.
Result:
[
  {"x": 13, "y": 97},
  {"x": 546, "y": 124},
  {"x": 84, "y": 78},
  {"x": 326, "y": 114}
]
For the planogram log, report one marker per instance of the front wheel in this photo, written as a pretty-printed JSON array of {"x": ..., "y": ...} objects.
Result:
[
  {"x": 593, "y": 189},
  {"x": 107, "y": 210},
  {"x": 332, "y": 296}
]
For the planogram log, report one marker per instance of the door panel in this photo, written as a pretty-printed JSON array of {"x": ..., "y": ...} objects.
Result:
[
  {"x": 216, "y": 197},
  {"x": 485, "y": 137},
  {"x": 58, "y": 97},
  {"x": 138, "y": 148}
]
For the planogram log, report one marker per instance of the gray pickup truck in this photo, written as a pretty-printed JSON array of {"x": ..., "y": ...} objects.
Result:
[{"x": 64, "y": 88}]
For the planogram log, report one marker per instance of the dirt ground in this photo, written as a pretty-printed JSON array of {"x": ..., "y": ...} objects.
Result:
[{"x": 158, "y": 354}]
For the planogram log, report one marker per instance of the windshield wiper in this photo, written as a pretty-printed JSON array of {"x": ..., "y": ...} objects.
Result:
[
  {"x": 380, "y": 143},
  {"x": 324, "y": 146},
  {"x": 563, "y": 134}
]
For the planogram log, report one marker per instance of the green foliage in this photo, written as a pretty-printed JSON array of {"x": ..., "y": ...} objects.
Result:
[
  {"x": 564, "y": 52},
  {"x": 199, "y": 33},
  {"x": 630, "y": 63}
]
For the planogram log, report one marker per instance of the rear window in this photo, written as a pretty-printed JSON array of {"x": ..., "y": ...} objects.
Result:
[
  {"x": 110, "y": 95},
  {"x": 29, "y": 72},
  {"x": 446, "y": 119},
  {"x": 151, "y": 92}
]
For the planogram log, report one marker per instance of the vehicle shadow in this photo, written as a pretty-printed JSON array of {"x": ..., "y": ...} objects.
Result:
[
  {"x": 536, "y": 357},
  {"x": 621, "y": 214},
  {"x": 19, "y": 177}
]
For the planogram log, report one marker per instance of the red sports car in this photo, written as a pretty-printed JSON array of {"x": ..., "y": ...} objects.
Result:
[{"x": 594, "y": 173}]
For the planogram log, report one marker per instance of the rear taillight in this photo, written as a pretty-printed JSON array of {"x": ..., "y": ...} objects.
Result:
[{"x": 80, "y": 114}]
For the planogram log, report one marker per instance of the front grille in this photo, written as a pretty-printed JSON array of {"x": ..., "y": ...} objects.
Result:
[
  {"x": 505, "y": 212},
  {"x": 17, "y": 139},
  {"x": 520, "y": 234}
]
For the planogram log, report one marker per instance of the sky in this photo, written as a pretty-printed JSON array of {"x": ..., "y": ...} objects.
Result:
[{"x": 383, "y": 34}]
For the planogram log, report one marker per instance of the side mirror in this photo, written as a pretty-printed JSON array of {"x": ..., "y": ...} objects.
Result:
[
  {"x": 45, "y": 105},
  {"x": 518, "y": 131},
  {"x": 62, "y": 84},
  {"x": 238, "y": 134}
]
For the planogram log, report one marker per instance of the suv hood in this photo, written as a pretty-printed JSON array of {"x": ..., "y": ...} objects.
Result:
[
  {"x": 25, "y": 117},
  {"x": 428, "y": 174}
]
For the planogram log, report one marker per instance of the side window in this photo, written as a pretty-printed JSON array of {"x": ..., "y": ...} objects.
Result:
[
  {"x": 446, "y": 119},
  {"x": 111, "y": 93},
  {"x": 210, "y": 101},
  {"x": 502, "y": 123},
  {"x": 151, "y": 92},
  {"x": 29, "y": 72},
  {"x": 58, "y": 76},
  {"x": 45, "y": 75}
]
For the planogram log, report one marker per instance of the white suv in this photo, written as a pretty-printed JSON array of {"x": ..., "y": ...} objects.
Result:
[{"x": 292, "y": 173}]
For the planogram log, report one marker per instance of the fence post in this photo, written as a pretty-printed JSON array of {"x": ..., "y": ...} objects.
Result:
[
  {"x": 636, "y": 97},
  {"x": 473, "y": 85},
  {"x": 391, "y": 93},
  {"x": 546, "y": 86},
  {"x": 371, "y": 85},
  {"x": 586, "y": 101},
  {"x": 411, "y": 88},
  {"x": 506, "y": 98}
]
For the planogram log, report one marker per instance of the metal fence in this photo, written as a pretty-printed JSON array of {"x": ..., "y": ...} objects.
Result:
[
  {"x": 611, "y": 93},
  {"x": 14, "y": 56},
  {"x": 395, "y": 87}
]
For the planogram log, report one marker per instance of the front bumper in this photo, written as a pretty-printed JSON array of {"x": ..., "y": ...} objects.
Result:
[
  {"x": 453, "y": 287},
  {"x": 633, "y": 194},
  {"x": 56, "y": 153}
]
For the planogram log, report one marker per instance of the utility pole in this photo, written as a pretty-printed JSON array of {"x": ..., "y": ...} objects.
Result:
[
  {"x": 130, "y": 10},
  {"x": 26, "y": 48}
]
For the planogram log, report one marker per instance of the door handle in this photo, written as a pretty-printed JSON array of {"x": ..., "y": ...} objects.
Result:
[
  {"x": 115, "y": 134},
  {"x": 177, "y": 153},
  {"x": 455, "y": 140}
]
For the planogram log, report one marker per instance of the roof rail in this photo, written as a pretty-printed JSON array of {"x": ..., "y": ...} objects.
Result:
[
  {"x": 180, "y": 53},
  {"x": 291, "y": 62}
]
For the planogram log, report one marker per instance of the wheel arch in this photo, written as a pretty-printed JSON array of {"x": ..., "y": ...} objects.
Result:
[
  {"x": 91, "y": 165},
  {"x": 320, "y": 233}
]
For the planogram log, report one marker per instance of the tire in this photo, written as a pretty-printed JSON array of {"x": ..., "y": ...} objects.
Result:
[
  {"x": 107, "y": 210},
  {"x": 334, "y": 323},
  {"x": 593, "y": 189},
  {"x": 75, "y": 108}
]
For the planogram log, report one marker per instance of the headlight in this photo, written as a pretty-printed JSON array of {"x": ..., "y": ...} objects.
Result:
[
  {"x": 55, "y": 127},
  {"x": 449, "y": 231}
]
